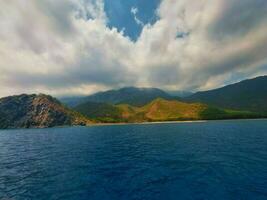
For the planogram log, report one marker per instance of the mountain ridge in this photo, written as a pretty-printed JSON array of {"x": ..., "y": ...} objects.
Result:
[
  {"x": 127, "y": 95},
  {"x": 250, "y": 95}
]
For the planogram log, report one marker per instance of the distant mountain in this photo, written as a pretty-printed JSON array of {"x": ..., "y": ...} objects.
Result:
[
  {"x": 179, "y": 93},
  {"x": 128, "y": 95},
  {"x": 39, "y": 111},
  {"x": 157, "y": 110},
  {"x": 250, "y": 95},
  {"x": 36, "y": 111},
  {"x": 72, "y": 101},
  {"x": 246, "y": 99}
]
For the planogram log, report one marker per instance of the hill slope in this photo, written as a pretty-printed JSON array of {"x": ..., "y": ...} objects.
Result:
[
  {"x": 100, "y": 111},
  {"x": 248, "y": 95},
  {"x": 157, "y": 110},
  {"x": 129, "y": 95},
  {"x": 26, "y": 111}
]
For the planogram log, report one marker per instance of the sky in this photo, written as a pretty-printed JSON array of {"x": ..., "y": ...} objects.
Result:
[{"x": 72, "y": 47}]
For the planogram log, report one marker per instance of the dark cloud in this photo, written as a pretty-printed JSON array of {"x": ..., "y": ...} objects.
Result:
[{"x": 236, "y": 18}]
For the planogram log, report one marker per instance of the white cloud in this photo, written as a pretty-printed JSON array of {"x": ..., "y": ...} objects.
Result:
[
  {"x": 197, "y": 60},
  {"x": 62, "y": 47},
  {"x": 134, "y": 11}
]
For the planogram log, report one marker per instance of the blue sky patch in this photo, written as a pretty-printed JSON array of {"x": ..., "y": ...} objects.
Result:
[{"x": 120, "y": 16}]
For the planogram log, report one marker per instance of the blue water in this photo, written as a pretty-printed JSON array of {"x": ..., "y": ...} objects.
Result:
[{"x": 212, "y": 160}]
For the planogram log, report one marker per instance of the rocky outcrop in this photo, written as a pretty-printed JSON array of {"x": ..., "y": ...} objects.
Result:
[{"x": 36, "y": 111}]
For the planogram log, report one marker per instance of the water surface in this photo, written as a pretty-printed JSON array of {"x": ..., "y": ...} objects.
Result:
[{"x": 210, "y": 160}]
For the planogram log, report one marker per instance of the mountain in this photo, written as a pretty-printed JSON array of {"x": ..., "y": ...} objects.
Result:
[
  {"x": 157, "y": 110},
  {"x": 179, "y": 93},
  {"x": 72, "y": 101},
  {"x": 246, "y": 99},
  {"x": 250, "y": 95},
  {"x": 36, "y": 111},
  {"x": 128, "y": 95}
]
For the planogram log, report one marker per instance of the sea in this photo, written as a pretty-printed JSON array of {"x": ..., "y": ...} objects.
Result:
[{"x": 213, "y": 160}]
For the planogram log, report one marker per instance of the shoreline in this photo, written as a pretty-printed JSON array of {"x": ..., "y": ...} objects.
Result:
[
  {"x": 171, "y": 122},
  {"x": 139, "y": 123}
]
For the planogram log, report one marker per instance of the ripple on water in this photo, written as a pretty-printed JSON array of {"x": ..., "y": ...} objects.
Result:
[{"x": 211, "y": 160}]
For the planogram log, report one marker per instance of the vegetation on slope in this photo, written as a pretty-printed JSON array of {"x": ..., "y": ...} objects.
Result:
[
  {"x": 250, "y": 95},
  {"x": 213, "y": 113},
  {"x": 158, "y": 110},
  {"x": 100, "y": 111}
]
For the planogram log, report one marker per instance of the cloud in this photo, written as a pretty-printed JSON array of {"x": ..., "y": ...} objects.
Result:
[
  {"x": 64, "y": 47},
  {"x": 238, "y": 18},
  {"x": 204, "y": 54},
  {"x": 134, "y": 11}
]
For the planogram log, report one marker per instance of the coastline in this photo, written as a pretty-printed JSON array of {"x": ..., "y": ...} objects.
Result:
[
  {"x": 140, "y": 123},
  {"x": 171, "y": 122}
]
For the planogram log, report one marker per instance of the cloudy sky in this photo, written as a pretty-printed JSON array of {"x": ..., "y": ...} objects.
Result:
[{"x": 63, "y": 47}]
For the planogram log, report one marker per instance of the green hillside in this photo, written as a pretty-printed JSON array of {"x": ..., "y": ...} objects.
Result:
[
  {"x": 100, "y": 111},
  {"x": 250, "y": 95},
  {"x": 158, "y": 110}
]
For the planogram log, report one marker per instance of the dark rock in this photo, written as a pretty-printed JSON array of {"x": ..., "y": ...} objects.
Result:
[{"x": 36, "y": 111}]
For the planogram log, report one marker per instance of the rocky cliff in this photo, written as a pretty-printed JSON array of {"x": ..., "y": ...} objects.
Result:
[{"x": 36, "y": 111}]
